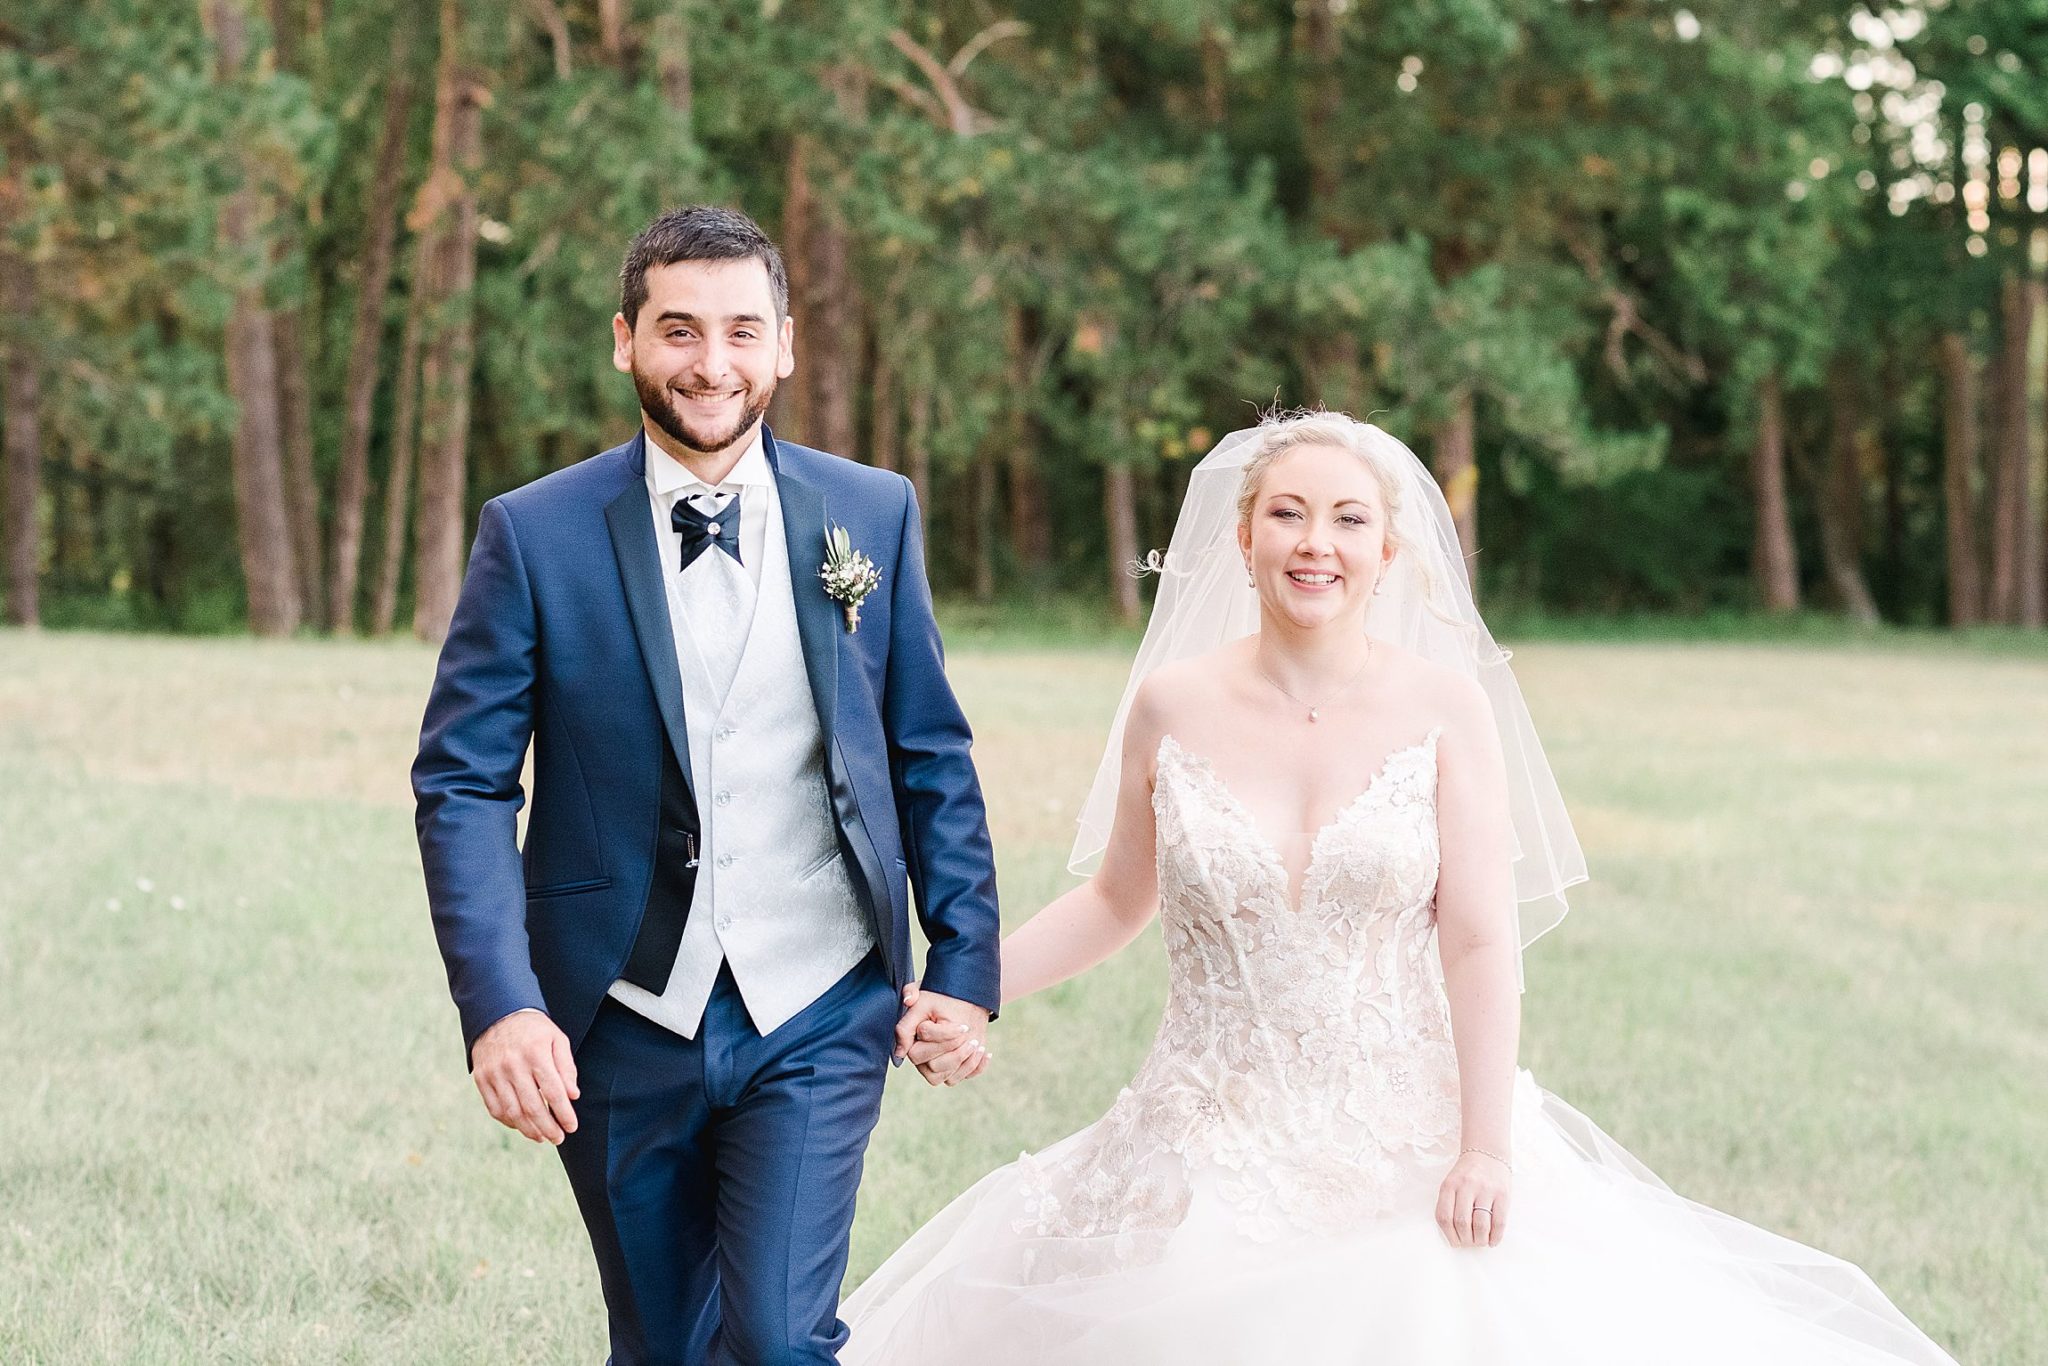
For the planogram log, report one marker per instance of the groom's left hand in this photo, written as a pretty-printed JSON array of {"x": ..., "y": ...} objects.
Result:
[{"x": 946, "y": 1038}]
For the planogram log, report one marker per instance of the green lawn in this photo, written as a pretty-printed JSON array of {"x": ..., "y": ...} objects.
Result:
[{"x": 1806, "y": 985}]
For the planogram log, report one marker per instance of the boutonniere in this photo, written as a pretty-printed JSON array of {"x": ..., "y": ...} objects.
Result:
[{"x": 849, "y": 575}]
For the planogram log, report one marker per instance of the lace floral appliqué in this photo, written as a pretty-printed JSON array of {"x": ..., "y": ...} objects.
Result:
[{"x": 1303, "y": 1068}]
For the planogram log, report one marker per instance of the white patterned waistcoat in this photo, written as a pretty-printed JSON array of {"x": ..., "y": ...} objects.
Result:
[{"x": 773, "y": 896}]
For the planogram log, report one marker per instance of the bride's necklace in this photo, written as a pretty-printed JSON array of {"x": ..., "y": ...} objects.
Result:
[{"x": 1315, "y": 708}]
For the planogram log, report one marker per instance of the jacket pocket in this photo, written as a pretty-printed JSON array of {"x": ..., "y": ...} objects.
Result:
[{"x": 589, "y": 884}]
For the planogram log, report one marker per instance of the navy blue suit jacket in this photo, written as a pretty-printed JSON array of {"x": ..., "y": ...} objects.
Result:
[{"x": 561, "y": 638}]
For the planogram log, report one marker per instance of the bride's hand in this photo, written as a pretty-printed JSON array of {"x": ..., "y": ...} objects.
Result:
[
  {"x": 946, "y": 1050},
  {"x": 1472, "y": 1205}
]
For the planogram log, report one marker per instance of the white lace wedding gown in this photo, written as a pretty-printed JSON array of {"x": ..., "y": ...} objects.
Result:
[{"x": 1264, "y": 1190}]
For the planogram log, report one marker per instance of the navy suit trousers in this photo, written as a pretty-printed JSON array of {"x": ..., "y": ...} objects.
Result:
[{"x": 717, "y": 1174}]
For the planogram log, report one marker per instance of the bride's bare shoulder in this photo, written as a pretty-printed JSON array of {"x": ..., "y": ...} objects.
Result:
[
  {"x": 1437, "y": 694},
  {"x": 1186, "y": 689}
]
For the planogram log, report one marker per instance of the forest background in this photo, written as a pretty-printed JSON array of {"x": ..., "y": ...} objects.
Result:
[
  {"x": 1718, "y": 320},
  {"x": 1721, "y": 308}
]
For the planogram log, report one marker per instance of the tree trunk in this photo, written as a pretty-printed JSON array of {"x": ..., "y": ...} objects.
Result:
[
  {"x": 67, "y": 556},
  {"x": 262, "y": 517},
  {"x": 1030, "y": 527},
  {"x": 2033, "y": 547},
  {"x": 828, "y": 340},
  {"x": 611, "y": 31},
  {"x": 1120, "y": 508},
  {"x": 672, "y": 58},
  {"x": 551, "y": 18},
  {"x": 980, "y": 476},
  {"x": 2013, "y": 451},
  {"x": 398, "y": 479},
  {"x": 1959, "y": 479},
  {"x": 917, "y": 445},
  {"x": 1457, "y": 471},
  {"x": 1322, "y": 40},
  {"x": 884, "y": 418},
  {"x": 1894, "y": 515},
  {"x": 22, "y": 438},
  {"x": 827, "y": 306},
  {"x": 2041, "y": 538},
  {"x": 352, "y": 481},
  {"x": 450, "y": 344},
  {"x": 1215, "y": 74},
  {"x": 1336, "y": 367},
  {"x": 302, "y": 485},
  {"x": 1773, "y": 560},
  {"x": 93, "y": 483},
  {"x": 983, "y": 473},
  {"x": 793, "y": 396},
  {"x": 263, "y": 524},
  {"x": 161, "y": 569},
  {"x": 1841, "y": 500},
  {"x": 286, "y": 29},
  {"x": 294, "y": 378}
]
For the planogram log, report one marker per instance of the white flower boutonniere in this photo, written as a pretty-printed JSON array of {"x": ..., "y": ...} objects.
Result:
[{"x": 849, "y": 575}]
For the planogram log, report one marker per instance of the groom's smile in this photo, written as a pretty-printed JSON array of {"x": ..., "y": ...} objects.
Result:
[{"x": 709, "y": 402}]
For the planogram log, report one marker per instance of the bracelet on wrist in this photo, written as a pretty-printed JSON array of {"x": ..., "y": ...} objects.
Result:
[{"x": 1483, "y": 1152}]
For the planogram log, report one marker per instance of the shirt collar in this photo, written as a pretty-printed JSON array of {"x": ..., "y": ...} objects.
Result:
[{"x": 668, "y": 478}]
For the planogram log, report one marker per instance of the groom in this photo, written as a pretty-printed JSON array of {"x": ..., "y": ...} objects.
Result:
[{"x": 689, "y": 977}]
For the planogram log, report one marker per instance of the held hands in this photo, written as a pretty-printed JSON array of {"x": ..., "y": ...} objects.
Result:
[
  {"x": 522, "y": 1068},
  {"x": 944, "y": 1037},
  {"x": 1472, "y": 1205}
]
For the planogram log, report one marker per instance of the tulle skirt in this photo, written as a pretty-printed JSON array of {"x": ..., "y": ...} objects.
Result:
[{"x": 1600, "y": 1263}]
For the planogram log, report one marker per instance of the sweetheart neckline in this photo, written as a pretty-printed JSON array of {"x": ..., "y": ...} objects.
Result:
[{"x": 1270, "y": 852}]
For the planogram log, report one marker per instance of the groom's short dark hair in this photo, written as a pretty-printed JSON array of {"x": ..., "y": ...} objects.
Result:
[{"x": 698, "y": 232}]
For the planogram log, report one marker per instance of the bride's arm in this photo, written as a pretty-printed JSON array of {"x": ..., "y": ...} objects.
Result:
[
  {"x": 1088, "y": 924},
  {"x": 1475, "y": 903}
]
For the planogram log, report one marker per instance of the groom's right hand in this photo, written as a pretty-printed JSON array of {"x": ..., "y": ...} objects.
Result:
[{"x": 523, "y": 1069}]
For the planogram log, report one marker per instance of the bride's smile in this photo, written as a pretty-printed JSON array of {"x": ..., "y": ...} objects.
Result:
[{"x": 1315, "y": 543}]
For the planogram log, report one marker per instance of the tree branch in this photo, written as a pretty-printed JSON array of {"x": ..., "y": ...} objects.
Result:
[
  {"x": 958, "y": 116},
  {"x": 982, "y": 41},
  {"x": 1627, "y": 320},
  {"x": 950, "y": 110},
  {"x": 550, "y": 16}
]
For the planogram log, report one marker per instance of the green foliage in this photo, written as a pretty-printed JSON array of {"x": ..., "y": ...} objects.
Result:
[{"x": 1605, "y": 221}]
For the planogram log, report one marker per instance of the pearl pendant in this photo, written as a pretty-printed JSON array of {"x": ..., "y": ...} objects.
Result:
[{"x": 1314, "y": 713}]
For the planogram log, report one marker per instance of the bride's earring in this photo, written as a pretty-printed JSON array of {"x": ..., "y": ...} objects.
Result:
[{"x": 1251, "y": 579}]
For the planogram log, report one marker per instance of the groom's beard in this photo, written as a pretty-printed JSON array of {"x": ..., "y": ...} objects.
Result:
[{"x": 658, "y": 401}]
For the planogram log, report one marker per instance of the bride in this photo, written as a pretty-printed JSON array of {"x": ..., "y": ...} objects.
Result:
[{"x": 1324, "y": 781}]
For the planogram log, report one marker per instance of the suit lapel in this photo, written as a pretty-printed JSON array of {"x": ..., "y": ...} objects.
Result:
[
  {"x": 803, "y": 527},
  {"x": 639, "y": 556}
]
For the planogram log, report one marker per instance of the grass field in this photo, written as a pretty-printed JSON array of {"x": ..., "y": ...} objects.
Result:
[{"x": 1806, "y": 985}]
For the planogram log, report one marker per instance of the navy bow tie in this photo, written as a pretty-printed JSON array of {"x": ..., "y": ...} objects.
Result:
[{"x": 701, "y": 530}]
